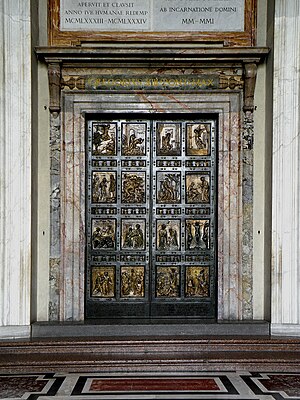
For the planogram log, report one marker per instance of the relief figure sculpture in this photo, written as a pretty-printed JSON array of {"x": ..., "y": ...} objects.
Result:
[
  {"x": 198, "y": 139},
  {"x": 167, "y": 282},
  {"x": 133, "y": 234},
  {"x": 168, "y": 187},
  {"x": 133, "y": 187},
  {"x": 197, "y": 234},
  {"x": 103, "y": 234},
  {"x": 133, "y": 139},
  {"x": 104, "y": 139},
  {"x": 132, "y": 282},
  {"x": 104, "y": 187},
  {"x": 197, "y": 188},
  {"x": 168, "y": 235},
  {"x": 197, "y": 282},
  {"x": 103, "y": 284},
  {"x": 168, "y": 139}
]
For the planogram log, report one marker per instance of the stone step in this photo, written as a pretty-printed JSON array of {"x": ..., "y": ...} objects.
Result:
[
  {"x": 155, "y": 327},
  {"x": 151, "y": 354}
]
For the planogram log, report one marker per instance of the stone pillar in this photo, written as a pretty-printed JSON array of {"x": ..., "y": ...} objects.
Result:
[
  {"x": 286, "y": 171},
  {"x": 15, "y": 168}
]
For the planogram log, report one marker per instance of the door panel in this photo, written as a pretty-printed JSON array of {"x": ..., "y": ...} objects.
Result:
[{"x": 150, "y": 217}]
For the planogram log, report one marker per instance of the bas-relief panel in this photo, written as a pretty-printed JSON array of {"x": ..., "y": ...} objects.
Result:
[{"x": 229, "y": 197}]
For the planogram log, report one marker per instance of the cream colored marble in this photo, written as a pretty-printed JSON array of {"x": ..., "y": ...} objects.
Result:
[
  {"x": 286, "y": 172},
  {"x": 15, "y": 167}
]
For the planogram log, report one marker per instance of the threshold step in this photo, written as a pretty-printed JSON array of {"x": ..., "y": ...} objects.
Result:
[{"x": 123, "y": 328}]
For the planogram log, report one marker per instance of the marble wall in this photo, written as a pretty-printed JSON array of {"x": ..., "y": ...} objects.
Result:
[
  {"x": 67, "y": 202},
  {"x": 286, "y": 173},
  {"x": 15, "y": 168}
]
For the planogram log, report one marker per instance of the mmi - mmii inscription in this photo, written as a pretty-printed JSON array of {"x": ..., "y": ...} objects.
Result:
[{"x": 153, "y": 15}]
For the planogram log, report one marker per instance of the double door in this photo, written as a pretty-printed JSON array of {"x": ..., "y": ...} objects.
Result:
[{"x": 151, "y": 201}]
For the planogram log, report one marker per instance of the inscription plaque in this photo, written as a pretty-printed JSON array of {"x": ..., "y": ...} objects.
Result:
[
  {"x": 227, "y": 22},
  {"x": 153, "y": 15}
]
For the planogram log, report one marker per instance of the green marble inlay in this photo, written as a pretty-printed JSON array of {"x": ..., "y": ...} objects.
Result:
[{"x": 149, "y": 82}]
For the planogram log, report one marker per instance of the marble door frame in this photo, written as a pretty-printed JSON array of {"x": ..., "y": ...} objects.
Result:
[{"x": 67, "y": 262}]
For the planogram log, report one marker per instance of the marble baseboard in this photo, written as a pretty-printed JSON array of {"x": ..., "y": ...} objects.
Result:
[
  {"x": 15, "y": 332},
  {"x": 285, "y": 329}
]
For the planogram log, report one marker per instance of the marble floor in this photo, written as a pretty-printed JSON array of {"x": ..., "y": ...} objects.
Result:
[{"x": 239, "y": 385}]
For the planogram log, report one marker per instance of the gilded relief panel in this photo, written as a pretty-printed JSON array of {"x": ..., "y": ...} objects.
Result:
[
  {"x": 197, "y": 234},
  {"x": 103, "y": 234},
  {"x": 168, "y": 187},
  {"x": 133, "y": 139},
  {"x": 133, "y": 187},
  {"x": 132, "y": 281},
  {"x": 197, "y": 281},
  {"x": 104, "y": 188},
  {"x": 168, "y": 281},
  {"x": 168, "y": 139},
  {"x": 104, "y": 139},
  {"x": 198, "y": 139},
  {"x": 103, "y": 281},
  {"x": 168, "y": 235},
  {"x": 197, "y": 188},
  {"x": 133, "y": 234}
]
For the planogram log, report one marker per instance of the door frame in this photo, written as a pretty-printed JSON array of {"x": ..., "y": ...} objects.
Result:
[{"x": 70, "y": 219}]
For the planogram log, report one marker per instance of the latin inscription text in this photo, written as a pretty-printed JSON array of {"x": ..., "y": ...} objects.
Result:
[{"x": 153, "y": 15}]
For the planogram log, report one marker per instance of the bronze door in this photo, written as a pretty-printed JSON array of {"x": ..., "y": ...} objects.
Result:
[{"x": 151, "y": 224}]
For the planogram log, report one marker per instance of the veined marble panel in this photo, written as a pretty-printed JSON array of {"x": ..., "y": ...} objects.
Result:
[
  {"x": 70, "y": 305},
  {"x": 15, "y": 164},
  {"x": 286, "y": 174}
]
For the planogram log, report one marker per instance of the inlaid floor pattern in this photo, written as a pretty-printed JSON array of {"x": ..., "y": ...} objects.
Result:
[{"x": 205, "y": 385}]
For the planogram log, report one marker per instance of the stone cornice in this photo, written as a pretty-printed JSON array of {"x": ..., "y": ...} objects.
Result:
[
  {"x": 151, "y": 53},
  {"x": 161, "y": 56}
]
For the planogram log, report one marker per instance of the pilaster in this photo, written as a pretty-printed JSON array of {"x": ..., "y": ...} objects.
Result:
[
  {"x": 286, "y": 172},
  {"x": 15, "y": 168}
]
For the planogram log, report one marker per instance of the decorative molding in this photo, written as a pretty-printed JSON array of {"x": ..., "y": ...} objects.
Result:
[
  {"x": 59, "y": 59},
  {"x": 137, "y": 55},
  {"x": 232, "y": 82},
  {"x": 73, "y": 82}
]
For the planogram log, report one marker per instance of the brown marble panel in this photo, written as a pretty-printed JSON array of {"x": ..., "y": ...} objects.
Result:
[{"x": 154, "y": 384}]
